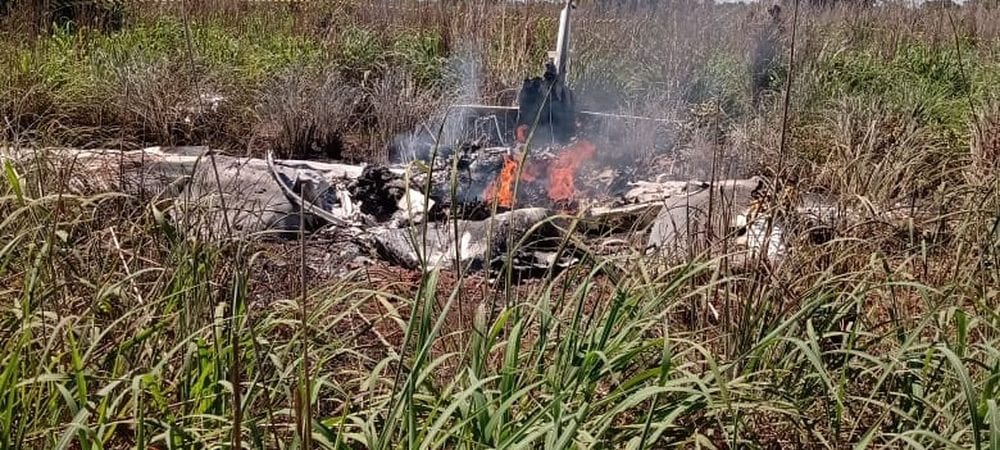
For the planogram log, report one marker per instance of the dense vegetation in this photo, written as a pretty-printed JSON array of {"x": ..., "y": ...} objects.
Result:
[{"x": 116, "y": 333}]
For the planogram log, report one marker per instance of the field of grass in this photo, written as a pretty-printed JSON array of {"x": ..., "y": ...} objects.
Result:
[{"x": 115, "y": 332}]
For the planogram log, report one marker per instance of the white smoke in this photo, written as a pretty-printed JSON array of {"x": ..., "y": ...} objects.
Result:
[
  {"x": 446, "y": 127},
  {"x": 464, "y": 67}
]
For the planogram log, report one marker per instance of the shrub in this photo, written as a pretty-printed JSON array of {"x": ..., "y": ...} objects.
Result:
[
  {"x": 397, "y": 105},
  {"x": 422, "y": 54},
  {"x": 359, "y": 52},
  {"x": 306, "y": 113}
]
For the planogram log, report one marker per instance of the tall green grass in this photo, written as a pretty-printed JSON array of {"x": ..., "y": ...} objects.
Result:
[{"x": 119, "y": 334}]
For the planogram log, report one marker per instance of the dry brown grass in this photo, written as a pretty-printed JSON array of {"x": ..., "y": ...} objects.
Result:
[
  {"x": 310, "y": 111},
  {"x": 654, "y": 61},
  {"x": 846, "y": 337}
]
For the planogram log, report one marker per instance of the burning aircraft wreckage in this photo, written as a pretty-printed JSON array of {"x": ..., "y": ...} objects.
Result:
[{"x": 540, "y": 202}]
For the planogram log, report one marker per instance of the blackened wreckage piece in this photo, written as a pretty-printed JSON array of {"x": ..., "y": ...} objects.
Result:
[{"x": 546, "y": 110}]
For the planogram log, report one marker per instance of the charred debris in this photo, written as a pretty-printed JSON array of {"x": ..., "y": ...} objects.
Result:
[
  {"x": 527, "y": 187},
  {"x": 497, "y": 185}
]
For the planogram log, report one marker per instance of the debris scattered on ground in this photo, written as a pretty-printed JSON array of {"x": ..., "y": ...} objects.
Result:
[
  {"x": 501, "y": 195},
  {"x": 384, "y": 209}
]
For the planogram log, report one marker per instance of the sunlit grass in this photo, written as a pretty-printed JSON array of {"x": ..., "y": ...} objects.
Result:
[
  {"x": 118, "y": 332},
  {"x": 137, "y": 341}
]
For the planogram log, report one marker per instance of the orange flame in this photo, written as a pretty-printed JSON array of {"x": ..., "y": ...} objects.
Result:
[
  {"x": 561, "y": 174},
  {"x": 563, "y": 170},
  {"x": 501, "y": 189},
  {"x": 521, "y": 134}
]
